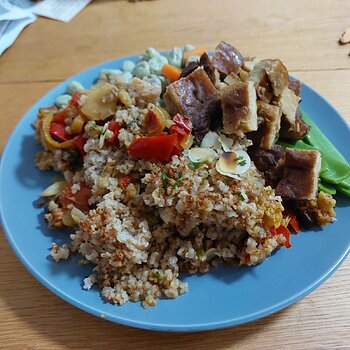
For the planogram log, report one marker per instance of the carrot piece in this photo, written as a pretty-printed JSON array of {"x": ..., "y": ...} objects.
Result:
[
  {"x": 195, "y": 52},
  {"x": 171, "y": 72}
]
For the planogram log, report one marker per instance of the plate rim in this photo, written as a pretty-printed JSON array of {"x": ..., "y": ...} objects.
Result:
[{"x": 131, "y": 322}]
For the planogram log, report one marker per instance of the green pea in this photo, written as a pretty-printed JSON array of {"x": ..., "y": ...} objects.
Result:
[
  {"x": 175, "y": 57},
  {"x": 193, "y": 59},
  {"x": 188, "y": 47},
  {"x": 63, "y": 100},
  {"x": 74, "y": 86},
  {"x": 150, "y": 53},
  {"x": 156, "y": 64},
  {"x": 141, "y": 70},
  {"x": 108, "y": 72},
  {"x": 128, "y": 66}
]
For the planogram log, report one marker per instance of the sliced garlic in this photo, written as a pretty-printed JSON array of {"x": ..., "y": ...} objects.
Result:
[
  {"x": 201, "y": 155},
  {"x": 233, "y": 163},
  {"x": 54, "y": 189},
  {"x": 226, "y": 143},
  {"x": 77, "y": 215},
  {"x": 211, "y": 140}
]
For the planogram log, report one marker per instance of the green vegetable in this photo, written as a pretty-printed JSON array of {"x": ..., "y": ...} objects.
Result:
[
  {"x": 188, "y": 47},
  {"x": 150, "y": 53},
  {"x": 63, "y": 100},
  {"x": 335, "y": 170},
  {"x": 175, "y": 57},
  {"x": 141, "y": 70},
  {"x": 327, "y": 188},
  {"x": 74, "y": 86},
  {"x": 339, "y": 168},
  {"x": 128, "y": 66},
  {"x": 240, "y": 195},
  {"x": 156, "y": 64},
  {"x": 193, "y": 165}
]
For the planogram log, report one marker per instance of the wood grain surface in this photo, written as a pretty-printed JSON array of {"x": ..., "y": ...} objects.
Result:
[{"x": 303, "y": 34}]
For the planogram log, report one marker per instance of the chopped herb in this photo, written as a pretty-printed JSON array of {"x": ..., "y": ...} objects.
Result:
[
  {"x": 243, "y": 162},
  {"x": 239, "y": 158},
  {"x": 240, "y": 195},
  {"x": 156, "y": 274},
  {"x": 200, "y": 252},
  {"x": 165, "y": 176},
  {"x": 193, "y": 165},
  {"x": 179, "y": 179},
  {"x": 202, "y": 182}
]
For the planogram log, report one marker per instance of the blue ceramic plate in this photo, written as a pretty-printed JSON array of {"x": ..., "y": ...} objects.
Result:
[{"x": 223, "y": 297}]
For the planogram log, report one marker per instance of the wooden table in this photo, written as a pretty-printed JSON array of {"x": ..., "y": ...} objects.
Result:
[{"x": 302, "y": 33}]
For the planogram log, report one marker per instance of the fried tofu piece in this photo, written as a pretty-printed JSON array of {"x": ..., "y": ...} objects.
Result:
[
  {"x": 270, "y": 78},
  {"x": 296, "y": 131},
  {"x": 238, "y": 102},
  {"x": 272, "y": 122},
  {"x": 288, "y": 101},
  {"x": 301, "y": 172},
  {"x": 195, "y": 97}
]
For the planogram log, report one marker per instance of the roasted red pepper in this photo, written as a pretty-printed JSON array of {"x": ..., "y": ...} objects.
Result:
[
  {"x": 115, "y": 128},
  {"x": 79, "y": 199},
  {"x": 58, "y": 131},
  {"x": 79, "y": 142},
  {"x": 182, "y": 129},
  {"x": 125, "y": 180},
  {"x": 293, "y": 221},
  {"x": 154, "y": 123},
  {"x": 284, "y": 231},
  {"x": 154, "y": 147}
]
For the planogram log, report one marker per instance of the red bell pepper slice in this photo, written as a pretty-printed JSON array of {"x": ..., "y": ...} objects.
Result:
[
  {"x": 80, "y": 199},
  {"x": 284, "y": 231},
  {"x": 154, "y": 147},
  {"x": 58, "y": 131},
  {"x": 115, "y": 128},
  {"x": 79, "y": 142},
  {"x": 74, "y": 101},
  {"x": 183, "y": 122}
]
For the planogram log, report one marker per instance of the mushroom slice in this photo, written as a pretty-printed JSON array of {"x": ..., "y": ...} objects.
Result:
[
  {"x": 233, "y": 163},
  {"x": 201, "y": 155}
]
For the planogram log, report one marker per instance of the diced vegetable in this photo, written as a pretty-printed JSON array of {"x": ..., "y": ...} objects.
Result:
[
  {"x": 141, "y": 70},
  {"x": 125, "y": 180},
  {"x": 79, "y": 198},
  {"x": 63, "y": 100},
  {"x": 195, "y": 52},
  {"x": 171, "y": 72},
  {"x": 115, "y": 128},
  {"x": 155, "y": 121},
  {"x": 79, "y": 142},
  {"x": 335, "y": 170},
  {"x": 58, "y": 131},
  {"x": 284, "y": 231},
  {"x": 75, "y": 86},
  {"x": 77, "y": 124},
  {"x": 156, "y": 64},
  {"x": 154, "y": 147}
]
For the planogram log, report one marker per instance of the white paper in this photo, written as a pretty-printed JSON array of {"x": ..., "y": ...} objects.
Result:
[
  {"x": 62, "y": 10},
  {"x": 16, "y": 14}
]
